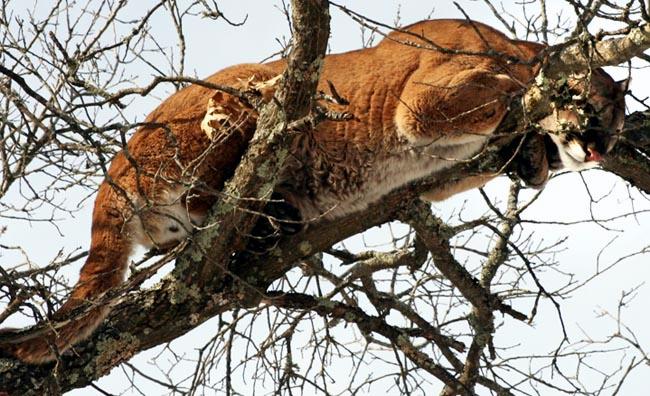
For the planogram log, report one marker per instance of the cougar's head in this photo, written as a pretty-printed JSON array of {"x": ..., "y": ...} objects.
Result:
[{"x": 587, "y": 123}]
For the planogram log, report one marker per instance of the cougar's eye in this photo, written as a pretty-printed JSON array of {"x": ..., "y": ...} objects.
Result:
[{"x": 591, "y": 111}]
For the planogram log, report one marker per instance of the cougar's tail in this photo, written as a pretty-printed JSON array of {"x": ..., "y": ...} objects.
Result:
[{"x": 104, "y": 269}]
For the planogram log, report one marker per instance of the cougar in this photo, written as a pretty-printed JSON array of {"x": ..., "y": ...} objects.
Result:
[{"x": 426, "y": 97}]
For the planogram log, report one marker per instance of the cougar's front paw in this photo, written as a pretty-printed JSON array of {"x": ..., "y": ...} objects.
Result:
[{"x": 531, "y": 161}]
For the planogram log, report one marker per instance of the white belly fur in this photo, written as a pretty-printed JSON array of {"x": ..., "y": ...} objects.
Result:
[{"x": 395, "y": 171}]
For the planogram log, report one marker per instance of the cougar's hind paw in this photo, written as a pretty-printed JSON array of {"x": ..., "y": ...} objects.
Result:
[{"x": 264, "y": 235}]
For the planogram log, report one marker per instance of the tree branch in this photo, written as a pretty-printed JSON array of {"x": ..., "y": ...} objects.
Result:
[
  {"x": 630, "y": 158},
  {"x": 580, "y": 56}
]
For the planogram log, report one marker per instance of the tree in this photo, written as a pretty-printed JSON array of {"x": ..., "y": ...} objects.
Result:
[{"x": 426, "y": 310}]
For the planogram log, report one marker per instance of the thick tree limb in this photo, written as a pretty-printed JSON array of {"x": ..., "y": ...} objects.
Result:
[{"x": 580, "y": 56}]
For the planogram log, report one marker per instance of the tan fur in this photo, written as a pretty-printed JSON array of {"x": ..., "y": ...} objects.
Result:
[{"x": 416, "y": 111}]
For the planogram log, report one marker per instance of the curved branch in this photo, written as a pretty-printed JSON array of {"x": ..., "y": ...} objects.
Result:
[{"x": 576, "y": 58}]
